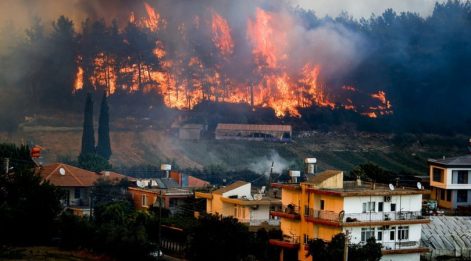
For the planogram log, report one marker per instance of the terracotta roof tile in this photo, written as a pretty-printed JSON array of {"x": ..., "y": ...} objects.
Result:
[
  {"x": 73, "y": 176},
  {"x": 322, "y": 176}
]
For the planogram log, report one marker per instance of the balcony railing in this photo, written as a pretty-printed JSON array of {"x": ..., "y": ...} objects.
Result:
[
  {"x": 259, "y": 222},
  {"x": 341, "y": 218},
  {"x": 287, "y": 211},
  {"x": 382, "y": 216},
  {"x": 400, "y": 245}
]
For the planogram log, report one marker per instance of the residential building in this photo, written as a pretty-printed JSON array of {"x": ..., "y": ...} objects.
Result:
[
  {"x": 173, "y": 198},
  {"x": 450, "y": 181},
  {"x": 175, "y": 191},
  {"x": 326, "y": 205},
  {"x": 191, "y": 131},
  {"x": 76, "y": 182},
  {"x": 236, "y": 200},
  {"x": 253, "y": 132}
]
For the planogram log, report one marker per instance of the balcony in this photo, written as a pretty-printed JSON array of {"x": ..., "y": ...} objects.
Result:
[
  {"x": 290, "y": 211},
  {"x": 261, "y": 222},
  {"x": 290, "y": 242},
  {"x": 402, "y": 247},
  {"x": 331, "y": 218}
]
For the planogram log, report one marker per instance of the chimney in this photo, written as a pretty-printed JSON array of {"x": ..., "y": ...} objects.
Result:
[
  {"x": 358, "y": 181},
  {"x": 294, "y": 174},
  {"x": 310, "y": 165}
]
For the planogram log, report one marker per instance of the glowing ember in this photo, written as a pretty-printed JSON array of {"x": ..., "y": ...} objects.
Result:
[{"x": 78, "y": 84}]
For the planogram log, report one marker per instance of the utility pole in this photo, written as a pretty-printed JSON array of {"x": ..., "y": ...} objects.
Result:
[
  {"x": 345, "y": 247},
  {"x": 160, "y": 226}
]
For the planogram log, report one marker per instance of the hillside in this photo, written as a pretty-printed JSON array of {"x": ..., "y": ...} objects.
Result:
[{"x": 334, "y": 150}]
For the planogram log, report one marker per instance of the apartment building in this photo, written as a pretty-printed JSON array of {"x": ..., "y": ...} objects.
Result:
[
  {"x": 237, "y": 200},
  {"x": 326, "y": 205},
  {"x": 450, "y": 181}
]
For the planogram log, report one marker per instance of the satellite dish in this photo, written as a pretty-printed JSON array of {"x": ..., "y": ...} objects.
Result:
[
  {"x": 391, "y": 186},
  {"x": 419, "y": 185},
  {"x": 62, "y": 171}
]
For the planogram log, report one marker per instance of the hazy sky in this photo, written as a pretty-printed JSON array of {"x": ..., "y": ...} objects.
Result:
[{"x": 364, "y": 8}]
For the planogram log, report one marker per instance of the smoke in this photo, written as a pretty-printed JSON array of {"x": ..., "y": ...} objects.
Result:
[
  {"x": 263, "y": 165},
  {"x": 365, "y": 8}
]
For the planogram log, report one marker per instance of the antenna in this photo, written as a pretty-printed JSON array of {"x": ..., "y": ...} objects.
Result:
[
  {"x": 62, "y": 171},
  {"x": 391, "y": 186},
  {"x": 419, "y": 185}
]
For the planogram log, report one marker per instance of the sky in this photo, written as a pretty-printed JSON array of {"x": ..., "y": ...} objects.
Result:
[{"x": 364, "y": 8}]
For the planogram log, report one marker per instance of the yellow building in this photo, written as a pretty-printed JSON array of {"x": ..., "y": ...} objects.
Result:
[
  {"x": 237, "y": 200},
  {"x": 325, "y": 205}
]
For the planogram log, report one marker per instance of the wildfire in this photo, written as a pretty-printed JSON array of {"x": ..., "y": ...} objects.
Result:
[
  {"x": 185, "y": 79},
  {"x": 222, "y": 38}
]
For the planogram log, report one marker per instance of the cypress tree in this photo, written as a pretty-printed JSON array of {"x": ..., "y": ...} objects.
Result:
[
  {"x": 88, "y": 136},
  {"x": 104, "y": 147}
]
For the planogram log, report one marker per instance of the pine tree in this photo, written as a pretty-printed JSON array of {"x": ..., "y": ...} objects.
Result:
[
  {"x": 88, "y": 136},
  {"x": 104, "y": 147}
]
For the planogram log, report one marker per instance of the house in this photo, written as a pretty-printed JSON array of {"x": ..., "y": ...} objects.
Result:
[
  {"x": 173, "y": 199},
  {"x": 450, "y": 181},
  {"x": 253, "y": 132},
  {"x": 174, "y": 190},
  {"x": 237, "y": 200},
  {"x": 76, "y": 182},
  {"x": 190, "y": 131},
  {"x": 325, "y": 205}
]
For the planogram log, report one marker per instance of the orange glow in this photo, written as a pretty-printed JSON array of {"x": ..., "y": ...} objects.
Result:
[
  {"x": 152, "y": 22},
  {"x": 78, "y": 84},
  {"x": 221, "y": 31}
]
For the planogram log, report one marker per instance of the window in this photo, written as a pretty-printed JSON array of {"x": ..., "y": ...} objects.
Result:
[
  {"x": 380, "y": 234},
  {"x": 403, "y": 233},
  {"x": 442, "y": 194},
  {"x": 322, "y": 204},
  {"x": 77, "y": 193},
  {"x": 393, "y": 207},
  {"x": 367, "y": 233},
  {"x": 462, "y": 177},
  {"x": 448, "y": 195},
  {"x": 462, "y": 196},
  {"x": 380, "y": 206},
  {"x": 368, "y": 206},
  {"x": 438, "y": 175},
  {"x": 392, "y": 233},
  {"x": 144, "y": 200},
  {"x": 306, "y": 239}
]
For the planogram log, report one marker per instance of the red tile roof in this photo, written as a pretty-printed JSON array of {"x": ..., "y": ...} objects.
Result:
[{"x": 72, "y": 176}]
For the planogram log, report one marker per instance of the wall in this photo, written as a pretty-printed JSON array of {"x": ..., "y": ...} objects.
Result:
[
  {"x": 402, "y": 257},
  {"x": 240, "y": 192},
  {"x": 405, "y": 202}
]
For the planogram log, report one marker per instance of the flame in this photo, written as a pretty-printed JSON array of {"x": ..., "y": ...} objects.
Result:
[
  {"x": 262, "y": 35},
  {"x": 78, "y": 84},
  {"x": 222, "y": 38},
  {"x": 152, "y": 22}
]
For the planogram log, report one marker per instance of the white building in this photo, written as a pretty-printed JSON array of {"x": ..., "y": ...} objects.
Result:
[
  {"x": 237, "y": 200},
  {"x": 450, "y": 181}
]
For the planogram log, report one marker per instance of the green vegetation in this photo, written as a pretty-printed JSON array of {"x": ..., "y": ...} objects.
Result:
[
  {"x": 334, "y": 250},
  {"x": 104, "y": 147}
]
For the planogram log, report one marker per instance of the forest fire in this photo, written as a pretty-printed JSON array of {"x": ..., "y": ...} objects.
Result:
[{"x": 212, "y": 68}]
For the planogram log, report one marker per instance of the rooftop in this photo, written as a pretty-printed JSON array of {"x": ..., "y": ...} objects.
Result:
[
  {"x": 63, "y": 175},
  {"x": 254, "y": 127},
  {"x": 322, "y": 176},
  {"x": 230, "y": 187},
  {"x": 464, "y": 160},
  {"x": 351, "y": 188}
]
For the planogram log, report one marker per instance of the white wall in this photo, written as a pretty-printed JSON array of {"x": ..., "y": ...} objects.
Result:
[
  {"x": 240, "y": 191},
  {"x": 262, "y": 213},
  {"x": 449, "y": 180},
  {"x": 406, "y": 203},
  {"x": 402, "y": 257}
]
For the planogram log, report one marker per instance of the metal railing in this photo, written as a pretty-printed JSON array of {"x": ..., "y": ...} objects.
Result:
[
  {"x": 290, "y": 209},
  {"x": 258, "y": 222},
  {"x": 382, "y": 216},
  {"x": 291, "y": 239},
  {"x": 400, "y": 245},
  {"x": 362, "y": 217}
]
